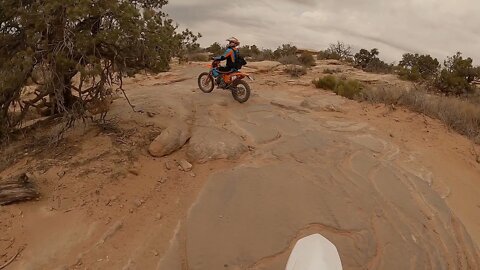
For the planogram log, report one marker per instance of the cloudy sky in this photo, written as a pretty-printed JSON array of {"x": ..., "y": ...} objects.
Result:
[{"x": 437, "y": 27}]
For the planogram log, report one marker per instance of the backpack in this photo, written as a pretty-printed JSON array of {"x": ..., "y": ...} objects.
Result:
[{"x": 239, "y": 61}]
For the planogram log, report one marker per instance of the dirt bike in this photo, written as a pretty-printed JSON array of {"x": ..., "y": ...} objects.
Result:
[{"x": 232, "y": 81}]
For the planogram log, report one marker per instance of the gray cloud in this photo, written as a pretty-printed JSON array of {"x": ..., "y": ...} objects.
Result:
[{"x": 437, "y": 27}]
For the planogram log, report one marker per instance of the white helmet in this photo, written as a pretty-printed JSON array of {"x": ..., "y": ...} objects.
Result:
[{"x": 234, "y": 40}]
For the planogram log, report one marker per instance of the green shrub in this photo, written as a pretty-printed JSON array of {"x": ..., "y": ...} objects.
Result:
[
  {"x": 347, "y": 88},
  {"x": 289, "y": 60},
  {"x": 285, "y": 50},
  {"x": 307, "y": 59},
  {"x": 415, "y": 67},
  {"x": 265, "y": 54},
  {"x": 368, "y": 61},
  {"x": 295, "y": 70},
  {"x": 457, "y": 75},
  {"x": 328, "y": 55},
  {"x": 328, "y": 82},
  {"x": 336, "y": 51},
  {"x": 412, "y": 74},
  {"x": 216, "y": 49},
  {"x": 331, "y": 71},
  {"x": 198, "y": 57}
]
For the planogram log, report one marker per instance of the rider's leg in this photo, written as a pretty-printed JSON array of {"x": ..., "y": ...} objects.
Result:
[
  {"x": 215, "y": 73},
  {"x": 224, "y": 69},
  {"x": 221, "y": 81}
]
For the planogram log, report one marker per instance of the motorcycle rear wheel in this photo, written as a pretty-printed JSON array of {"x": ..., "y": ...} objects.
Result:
[{"x": 240, "y": 91}]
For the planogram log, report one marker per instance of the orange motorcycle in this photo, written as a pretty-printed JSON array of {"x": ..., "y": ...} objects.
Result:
[{"x": 232, "y": 81}]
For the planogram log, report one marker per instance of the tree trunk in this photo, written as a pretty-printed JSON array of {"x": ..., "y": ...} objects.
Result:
[{"x": 61, "y": 97}]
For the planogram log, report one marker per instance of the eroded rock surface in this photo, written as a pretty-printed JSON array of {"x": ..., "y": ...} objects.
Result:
[
  {"x": 209, "y": 143},
  {"x": 376, "y": 213}
]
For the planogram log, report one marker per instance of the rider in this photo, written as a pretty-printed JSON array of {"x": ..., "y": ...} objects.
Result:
[{"x": 230, "y": 55}]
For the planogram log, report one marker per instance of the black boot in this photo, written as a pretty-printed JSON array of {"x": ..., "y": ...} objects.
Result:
[{"x": 221, "y": 83}]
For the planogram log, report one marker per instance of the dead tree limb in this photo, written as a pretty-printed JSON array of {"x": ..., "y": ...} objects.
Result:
[{"x": 17, "y": 189}]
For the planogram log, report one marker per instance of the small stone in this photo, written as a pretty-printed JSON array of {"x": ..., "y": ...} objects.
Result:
[
  {"x": 192, "y": 174},
  {"x": 61, "y": 174},
  {"x": 391, "y": 135},
  {"x": 139, "y": 202},
  {"x": 79, "y": 262},
  {"x": 163, "y": 180},
  {"x": 155, "y": 253},
  {"x": 131, "y": 211},
  {"x": 150, "y": 114},
  {"x": 478, "y": 159},
  {"x": 158, "y": 216},
  {"x": 185, "y": 165},
  {"x": 134, "y": 172},
  {"x": 168, "y": 165}
]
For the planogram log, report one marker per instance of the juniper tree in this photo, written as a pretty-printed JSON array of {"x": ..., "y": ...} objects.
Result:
[{"x": 73, "y": 50}]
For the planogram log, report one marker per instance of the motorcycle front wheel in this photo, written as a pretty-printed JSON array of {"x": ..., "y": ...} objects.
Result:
[{"x": 206, "y": 82}]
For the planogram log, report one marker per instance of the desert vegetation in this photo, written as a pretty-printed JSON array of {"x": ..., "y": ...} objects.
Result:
[
  {"x": 98, "y": 43},
  {"x": 461, "y": 115},
  {"x": 446, "y": 92},
  {"x": 341, "y": 86}
]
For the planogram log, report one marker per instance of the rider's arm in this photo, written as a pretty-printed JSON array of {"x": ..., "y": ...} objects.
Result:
[{"x": 228, "y": 53}]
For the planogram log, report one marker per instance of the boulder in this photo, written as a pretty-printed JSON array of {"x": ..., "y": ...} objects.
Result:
[
  {"x": 209, "y": 143},
  {"x": 170, "y": 140}
]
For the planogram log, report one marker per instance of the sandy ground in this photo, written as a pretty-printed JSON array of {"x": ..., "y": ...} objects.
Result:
[{"x": 390, "y": 188}]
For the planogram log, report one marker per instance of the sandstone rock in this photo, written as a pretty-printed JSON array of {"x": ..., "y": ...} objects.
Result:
[
  {"x": 213, "y": 143},
  {"x": 263, "y": 66},
  {"x": 251, "y": 214},
  {"x": 185, "y": 165},
  {"x": 170, "y": 140},
  {"x": 329, "y": 103}
]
